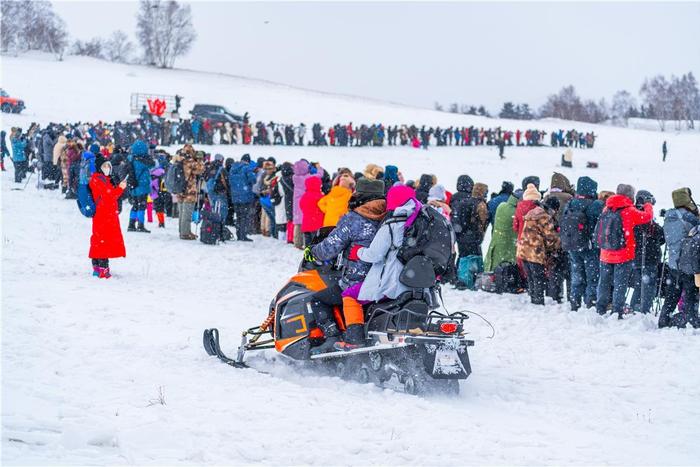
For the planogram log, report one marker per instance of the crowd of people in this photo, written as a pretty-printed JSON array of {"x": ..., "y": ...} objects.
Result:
[
  {"x": 201, "y": 131},
  {"x": 587, "y": 246}
]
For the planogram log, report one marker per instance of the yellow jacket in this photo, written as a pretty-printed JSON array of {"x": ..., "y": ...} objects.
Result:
[{"x": 334, "y": 205}]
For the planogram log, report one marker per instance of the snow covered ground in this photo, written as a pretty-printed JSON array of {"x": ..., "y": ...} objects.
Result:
[{"x": 84, "y": 360}]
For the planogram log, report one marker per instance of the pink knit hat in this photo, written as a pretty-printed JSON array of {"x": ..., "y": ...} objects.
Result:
[{"x": 398, "y": 195}]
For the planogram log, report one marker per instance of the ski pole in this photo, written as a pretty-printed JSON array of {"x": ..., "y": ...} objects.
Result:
[
  {"x": 661, "y": 281},
  {"x": 641, "y": 272}
]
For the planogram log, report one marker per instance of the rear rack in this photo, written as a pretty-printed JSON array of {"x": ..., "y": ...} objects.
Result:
[{"x": 425, "y": 321}]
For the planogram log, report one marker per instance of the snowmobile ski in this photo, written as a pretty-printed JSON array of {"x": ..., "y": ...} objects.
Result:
[{"x": 210, "y": 339}]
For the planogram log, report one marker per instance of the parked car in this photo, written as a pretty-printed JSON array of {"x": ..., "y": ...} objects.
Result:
[
  {"x": 10, "y": 104},
  {"x": 215, "y": 113}
]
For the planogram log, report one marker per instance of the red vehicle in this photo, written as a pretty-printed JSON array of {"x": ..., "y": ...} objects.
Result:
[{"x": 10, "y": 104}]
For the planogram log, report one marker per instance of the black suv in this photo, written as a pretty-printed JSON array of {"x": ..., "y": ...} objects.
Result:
[{"x": 215, "y": 113}]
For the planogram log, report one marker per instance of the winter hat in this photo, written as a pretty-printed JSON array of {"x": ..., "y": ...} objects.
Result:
[
  {"x": 95, "y": 148},
  {"x": 480, "y": 190},
  {"x": 139, "y": 148},
  {"x": 682, "y": 198},
  {"x": 535, "y": 180},
  {"x": 398, "y": 195},
  {"x": 245, "y": 158},
  {"x": 506, "y": 188},
  {"x": 365, "y": 186},
  {"x": 437, "y": 193},
  {"x": 371, "y": 171},
  {"x": 518, "y": 194},
  {"x": 531, "y": 193},
  {"x": 560, "y": 182},
  {"x": 391, "y": 175},
  {"x": 625, "y": 190},
  {"x": 643, "y": 197},
  {"x": 219, "y": 157},
  {"x": 312, "y": 184},
  {"x": 272, "y": 159},
  {"x": 106, "y": 163},
  {"x": 586, "y": 186},
  {"x": 465, "y": 184}
]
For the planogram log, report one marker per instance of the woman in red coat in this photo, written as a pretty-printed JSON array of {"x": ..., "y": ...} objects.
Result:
[{"x": 106, "y": 241}]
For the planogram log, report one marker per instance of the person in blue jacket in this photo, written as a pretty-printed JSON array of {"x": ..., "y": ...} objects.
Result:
[
  {"x": 501, "y": 197},
  {"x": 19, "y": 156},
  {"x": 241, "y": 180},
  {"x": 140, "y": 165},
  {"x": 584, "y": 262},
  {"x": 196, "y": 129}
]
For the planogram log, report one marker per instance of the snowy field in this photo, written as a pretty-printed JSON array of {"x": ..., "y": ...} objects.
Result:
[{"x": 84, "y": 361}]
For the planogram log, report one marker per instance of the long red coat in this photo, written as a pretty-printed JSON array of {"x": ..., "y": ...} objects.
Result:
[{"x": 106, "y": 240}]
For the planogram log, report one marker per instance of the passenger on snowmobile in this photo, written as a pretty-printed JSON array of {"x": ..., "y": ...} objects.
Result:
[
  {"x": 382, "y": 280},
  {"x": 356, "y": 229}
]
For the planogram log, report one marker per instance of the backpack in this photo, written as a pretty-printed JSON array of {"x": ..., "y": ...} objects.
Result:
[
  {"x": 573, "y": 230},
  {"x": 676, "y": 228},
  {"x": 468, "y": 269},
  {"x": 609, "y": 231},
  {"x": 486, "y": 281},
  {"x": 430, "y": 235},
  {"x": 86, "y": 203},
  {"x": 210, "y": 232},
  {"x": 689, "y": 262},
  {"x": 507, "y": 278},
  {"x": 175, "y": 179},
  {"x": 132, "y": 180},
  {"x": 210, "y": 186}
]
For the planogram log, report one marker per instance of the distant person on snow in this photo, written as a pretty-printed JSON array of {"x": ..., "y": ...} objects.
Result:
[
  {"x": 106, "y": 241},
  {"x": 664, "y": 150}
]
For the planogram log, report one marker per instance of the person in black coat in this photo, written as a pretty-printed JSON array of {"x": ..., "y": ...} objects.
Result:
[
  {"x": 649, "y": 238},
  {"x": 287, "y": 183}
]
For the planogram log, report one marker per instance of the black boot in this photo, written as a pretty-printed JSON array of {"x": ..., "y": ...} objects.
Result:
[
  {"x": 132, "y": 225},
  {"x": 142, "y": 228},
  {"x": 354, "y": 338},
  {"x": 330, "y": 330}
]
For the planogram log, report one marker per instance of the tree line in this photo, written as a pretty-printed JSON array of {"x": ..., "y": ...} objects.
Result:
[
  {"x": 676, "y": 99},
  {"x": 164, "y": 32}
]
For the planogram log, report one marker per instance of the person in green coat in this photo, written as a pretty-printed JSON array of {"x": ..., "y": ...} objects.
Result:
[{"x": 503, "y": 237}]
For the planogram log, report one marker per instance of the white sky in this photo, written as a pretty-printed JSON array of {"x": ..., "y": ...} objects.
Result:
[{"x": 417, "y": 53}]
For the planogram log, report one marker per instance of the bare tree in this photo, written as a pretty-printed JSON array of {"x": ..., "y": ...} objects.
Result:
[
  {"x": 91, "y": 48},
  {"x": 165, "y": 31},
  {"x": 622, "y": 104},
  {"x": 118, "y": 47},
  {"x": 32, "y": 25},
  {"x": 656, "y": 94}
]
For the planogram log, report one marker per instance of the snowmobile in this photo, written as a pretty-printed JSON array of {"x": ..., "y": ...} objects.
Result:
[{"x": 410, "y": 344}]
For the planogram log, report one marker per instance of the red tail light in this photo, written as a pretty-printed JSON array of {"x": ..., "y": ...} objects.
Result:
[{"x": 448, "y": 327}]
